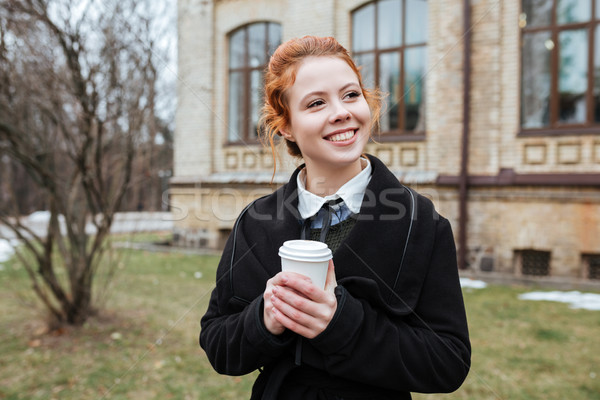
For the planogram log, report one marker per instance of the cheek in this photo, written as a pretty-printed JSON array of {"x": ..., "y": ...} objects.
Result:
[
  {"x": 365, "y": 112},
  {"x": 306, "y": 126},
  {"x": 361, "y": 111}
]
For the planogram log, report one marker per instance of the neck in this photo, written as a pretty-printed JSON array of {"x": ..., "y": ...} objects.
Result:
[{"x": 325, "y": 182}]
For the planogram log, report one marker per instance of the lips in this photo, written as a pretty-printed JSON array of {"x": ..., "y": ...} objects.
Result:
[{"x": 341, "y": 136}]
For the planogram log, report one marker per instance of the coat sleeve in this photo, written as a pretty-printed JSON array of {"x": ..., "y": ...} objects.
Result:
[
  {"x": 427, "y": 350},
  {"x": 233, "y": 333}
]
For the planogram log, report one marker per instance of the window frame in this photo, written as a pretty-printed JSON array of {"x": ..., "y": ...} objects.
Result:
[
  {"x": 400, "y": 134},
  {"x": 555, "y": 127},
  {"x": 245, "y": 137}
]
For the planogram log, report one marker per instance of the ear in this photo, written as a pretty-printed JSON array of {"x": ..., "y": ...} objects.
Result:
[{"x": 287, "y": 134}]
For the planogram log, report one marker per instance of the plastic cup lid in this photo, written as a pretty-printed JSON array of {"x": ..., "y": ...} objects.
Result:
[{"x": 305, "y": 250}]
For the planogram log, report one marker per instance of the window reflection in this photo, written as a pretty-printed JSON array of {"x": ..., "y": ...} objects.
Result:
[
  {"x": 274, "y": 38},
  {"x": 538, "y": 12},
  {"x": 414, "y": 90},
  {"x": 235, "y": 106},
  {"x": 416, "y": 21},
  {"x": 256, "y": 97},
  {"x": 363, "y": 29},
  {"x": 573, "y": 76},
  {"x": 367, "y": 68},
  {"x": 535, "y": 81},
  {"x": 569, "y": 11},
  {"x": 256, "y": 44},
  {"x": 389, "y": 24},
  {"x": 389, "y": 82},
  {"x": 237, "y": 43}
]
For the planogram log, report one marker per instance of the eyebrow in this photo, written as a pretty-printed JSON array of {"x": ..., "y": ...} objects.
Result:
[{"x": 320, "y": 92}]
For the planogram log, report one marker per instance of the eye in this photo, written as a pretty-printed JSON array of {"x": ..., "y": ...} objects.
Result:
[
  {"x": 315, "y": 103},
  {"x": 353, "y": 94}
]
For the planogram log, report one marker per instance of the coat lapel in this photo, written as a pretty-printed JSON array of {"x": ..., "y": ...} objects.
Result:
[{"x": 379, "y": 242}]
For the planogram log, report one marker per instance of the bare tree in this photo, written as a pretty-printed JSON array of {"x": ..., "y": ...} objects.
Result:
[{"x": 77, "y": 96}]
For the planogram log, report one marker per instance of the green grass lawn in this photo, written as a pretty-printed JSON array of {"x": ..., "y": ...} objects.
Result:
[{"x": 144, "y": 344}]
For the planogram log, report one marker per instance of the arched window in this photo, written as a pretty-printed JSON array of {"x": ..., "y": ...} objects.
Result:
[
  {"x": 560, "y": 65},
  {"x": 249, "y": 50},
  {"x": 389, "y": 41}
]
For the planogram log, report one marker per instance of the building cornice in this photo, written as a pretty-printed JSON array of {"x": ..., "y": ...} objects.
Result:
[{"x": 508, "y": 177}]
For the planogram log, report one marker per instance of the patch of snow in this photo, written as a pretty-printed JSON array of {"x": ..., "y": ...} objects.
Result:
[
  {"x": 6, "y": 250},
  {"x": 39, "y": 216},
  {"x": 37, "y": 222},
  {"x": 472, "y": 283},
  {"x": 576, "y": 299}
]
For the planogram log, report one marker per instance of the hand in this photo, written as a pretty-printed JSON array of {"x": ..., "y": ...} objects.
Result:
[
  {"x": 302, "y": 307},
  {"x": 271, "y": 323}
]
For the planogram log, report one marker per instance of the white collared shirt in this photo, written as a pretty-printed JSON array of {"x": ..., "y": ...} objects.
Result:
[{"x": 352, "y": 193}]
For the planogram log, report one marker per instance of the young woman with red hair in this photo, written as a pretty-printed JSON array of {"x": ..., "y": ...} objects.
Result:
[{"x": 391, "y": 318}]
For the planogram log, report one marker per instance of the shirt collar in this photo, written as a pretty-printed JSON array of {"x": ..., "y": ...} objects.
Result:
[{"x": 352, "y": 192}]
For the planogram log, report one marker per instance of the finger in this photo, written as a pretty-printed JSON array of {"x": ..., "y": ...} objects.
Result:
[
  {"x": 291, "y": 324},
  {"x": 291, "y": 312},
  {"x": 269, "y": 319},
  {"x": 292, "y": 304},
  {"x": 282, "y": 278},
  {"x": 300, "y": 283},
  {"x": 307, "y": 289},
  {"x": 293, "y": 300},
  {"x": 330, "y": 282}
]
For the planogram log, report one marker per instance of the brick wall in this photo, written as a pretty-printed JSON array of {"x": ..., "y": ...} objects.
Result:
[
  {"x": 444, "y": 86},
  {"x": 195, "y": 86}
]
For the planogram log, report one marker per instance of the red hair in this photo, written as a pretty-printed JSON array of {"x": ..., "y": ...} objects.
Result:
[{"x": 280, "y": 76}]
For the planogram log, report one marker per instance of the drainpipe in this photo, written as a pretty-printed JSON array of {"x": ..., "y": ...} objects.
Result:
[{"x": 464, "y": 162}]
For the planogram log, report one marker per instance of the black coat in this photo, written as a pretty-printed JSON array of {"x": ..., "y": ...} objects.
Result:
[{"x": 400, "y": 324}]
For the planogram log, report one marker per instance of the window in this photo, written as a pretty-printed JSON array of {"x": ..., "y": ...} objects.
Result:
[
  {"x": 592, "y": 265},
  {"x": 533, "y": 262},
  {"x": 249, "y": 51},
  {"x": 560, "y": 65},
  {"x": 389, "y": 41}
]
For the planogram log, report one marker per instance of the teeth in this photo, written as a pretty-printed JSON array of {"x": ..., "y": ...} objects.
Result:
[{"x": 341, "y": 136}]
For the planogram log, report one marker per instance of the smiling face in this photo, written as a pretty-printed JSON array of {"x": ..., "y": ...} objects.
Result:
[{"x": 330, "y": 120}]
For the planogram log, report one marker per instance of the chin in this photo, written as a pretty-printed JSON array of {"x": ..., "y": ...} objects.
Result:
[{"x": 347, "y": 159}]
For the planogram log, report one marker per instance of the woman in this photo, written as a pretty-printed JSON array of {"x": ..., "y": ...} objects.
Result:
[{"x": 391, "y": 318}]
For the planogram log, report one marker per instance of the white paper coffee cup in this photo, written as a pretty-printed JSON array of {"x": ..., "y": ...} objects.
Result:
[{"x": 306, "y": 257}]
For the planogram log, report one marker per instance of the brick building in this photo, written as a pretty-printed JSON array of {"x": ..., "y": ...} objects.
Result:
[{"x": 493, "y": 112}]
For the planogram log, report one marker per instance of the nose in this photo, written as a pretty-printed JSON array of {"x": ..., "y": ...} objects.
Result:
[{"x": 339, "y": 113}]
